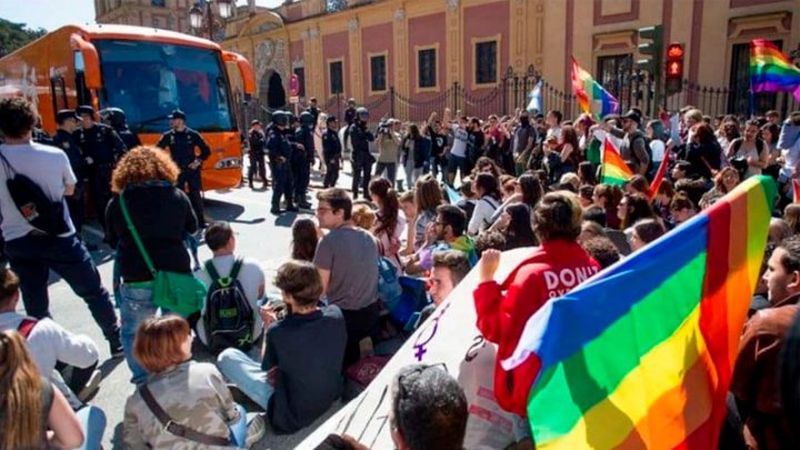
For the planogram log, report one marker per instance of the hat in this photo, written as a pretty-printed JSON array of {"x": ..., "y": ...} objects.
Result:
[
  {"x": 85, "y": 109},
  {"x": 65, "y": 114},
  {"x": 177, "y": 114},
  {"x": 255, "y": 122},
  {"x": 632, "y": 115}
]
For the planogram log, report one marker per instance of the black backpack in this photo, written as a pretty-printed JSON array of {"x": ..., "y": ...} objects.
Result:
[
  {"x": 35, "y": 206},
  {"x": 228, "y": 318}
]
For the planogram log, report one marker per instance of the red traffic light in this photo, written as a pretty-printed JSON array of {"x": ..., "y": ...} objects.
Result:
[
  {"x": 675, "y": 51},
  {"x": 674, "y": 69}
]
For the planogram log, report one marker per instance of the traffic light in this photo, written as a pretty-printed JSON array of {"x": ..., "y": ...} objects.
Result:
[
  {"x": 674, "y": 68},
  {"x": 651, "y": 47}
]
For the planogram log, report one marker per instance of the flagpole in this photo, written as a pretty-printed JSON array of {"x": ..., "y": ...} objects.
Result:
[{"x": 751, "y": 102}]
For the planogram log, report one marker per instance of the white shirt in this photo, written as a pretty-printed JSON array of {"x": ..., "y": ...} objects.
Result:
[
  {"x": 49, "y": 342},
  {"x": 460, "y": 137},
  {"x": 251, "y": 277},
  {"x": 657, "y": 149},
  {"x": 48, "y": 167},
  {"x": 482, "y": 215}
]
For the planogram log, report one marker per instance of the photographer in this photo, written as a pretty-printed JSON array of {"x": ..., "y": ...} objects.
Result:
[{"x": 388, "y": 143}]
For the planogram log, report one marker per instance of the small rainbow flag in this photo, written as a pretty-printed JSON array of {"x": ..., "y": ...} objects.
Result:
[
  {"x": 661, "y": 173},
  {"x": 591, "y": 95},
  {"x": 614, "y": 169},
  {"x": 771, "y": 70},
  {"x": 641, "y": 355}
]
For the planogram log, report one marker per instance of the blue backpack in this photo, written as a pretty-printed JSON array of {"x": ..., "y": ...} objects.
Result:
[{"x": 389, "y": 289}]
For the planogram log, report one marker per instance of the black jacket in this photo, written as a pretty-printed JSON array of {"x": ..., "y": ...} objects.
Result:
[
  {"x": 182, "y": 144},
  {"x": 360, "y": 138}
]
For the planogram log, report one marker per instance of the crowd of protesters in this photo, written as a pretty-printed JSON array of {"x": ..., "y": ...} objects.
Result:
[{"x": 471, "y": 188}]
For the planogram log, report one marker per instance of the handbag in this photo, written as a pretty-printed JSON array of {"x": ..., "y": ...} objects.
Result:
[
  {"x": 177, "y": 429},
  {"x": 181, "y": 293}
]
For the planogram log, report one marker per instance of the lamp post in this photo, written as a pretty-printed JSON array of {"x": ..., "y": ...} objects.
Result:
[{"x": 200, "y": 12}]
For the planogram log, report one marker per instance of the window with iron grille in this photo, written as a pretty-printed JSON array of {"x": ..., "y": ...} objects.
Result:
[
  {"x": 336, "y": 76},
  {"x": 426, "y": 65},
  {"x": 614, "y": 73},
  {"x": 377, "y": 65},
  {"x": 739, "y": 97},
  {"x": 486, "y": 62}
]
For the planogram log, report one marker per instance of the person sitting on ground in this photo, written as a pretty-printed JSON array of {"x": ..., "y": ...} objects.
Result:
[
  {"x": 449, "y": 268},
  {"x": 754, "y": 383},
  {"x": 52, "y": 347},
  {"x": 515, "y": 224},
  {"x": 724, "y": 181},
  {"x": 601, "y": 249},
  {"x": 291, "y": 385},
  {"x": 428, "y": 196},
  {"x": 778, "y": 231},
  {"x": 468, "y": 197},
  {"x": 633, "y": 208},
  {"x": 33, "y": 414},
  {"x": 681, "y": 209},
  {"x": 486, "y": 190},
  {"x": 644, "y": 232},
  {"x": 390, "y": 223},
  {"x": 363, "y": 216},
  {"x": 409, "y": 207},
  {"x": 221, "y": 240},
  {"x": 305, "y": 236},
  {"x": 504, "y": 308},
  {"x": 347, "y": 261},
  {"x": 445, "y": 233},
  {"x": 184, "y": 403}
]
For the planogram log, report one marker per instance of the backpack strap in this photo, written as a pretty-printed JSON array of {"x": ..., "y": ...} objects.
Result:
[
  {"x": 136, "y": 238},
  {"x": 175, "y": 428},
  {"x": 237, "y": 266},
  {"x": 212, "y": 271},
  {"x": 26, "y": 326}
]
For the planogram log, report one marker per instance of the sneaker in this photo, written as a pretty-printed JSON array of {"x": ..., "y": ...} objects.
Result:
[
  {"x": 292, "y": 208},
  {"x": 91, "y": 386},
  {"x": 255, "y": 431}
]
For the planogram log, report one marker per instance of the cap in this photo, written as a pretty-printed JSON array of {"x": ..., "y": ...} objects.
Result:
[
  {"x": 85, "y": 109},
  {"x": 65, "y": 114},
  {"x": 255, "y": 122},
  {"x": 632, "y": 115},
  {"x": 177, "y": 114}
]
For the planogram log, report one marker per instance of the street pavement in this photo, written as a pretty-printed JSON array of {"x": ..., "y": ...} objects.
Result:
[{"x": 261, "y": 236}]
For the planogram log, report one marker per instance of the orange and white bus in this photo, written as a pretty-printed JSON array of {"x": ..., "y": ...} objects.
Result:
[{"x": 147, "y": 73}]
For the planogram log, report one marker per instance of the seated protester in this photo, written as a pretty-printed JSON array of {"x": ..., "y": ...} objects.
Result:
[
  {"x": 363, "y": 215},
  {"x": 429, "y": 411},
  {"x": 791, "y": 214},
  {"x": 595, "y": 214},
  {"x": 680, "y": 170},
  {"x": 754, "y": 383},
  {"x": 468, "y": 198},
  {"x": 189, "y": 394},
  {"x": 644, "y": 232},
  {"x": 778, "y": 231},
  {"x": 694, "y": 189},
  {"x": 51, "y": 346},
  {"x": 601, "y": 249},
  {"x": 221, "y": 240},
  {"x": 487, "y": 191},
  {"x": 585, "y": 194},
  {"x": 33, "y": 414},
  {"x": 515, "y": 224},
  {"x": 681, "y": 209},
  {"x": 409, "y": 208},
  {"x": 490, "y": 240},
  {"x": 305, "y": 236},
  {"x": 445, "y": 233},
  {"x": 724, "y": 181},
  {"x": 449, "y": 268},
  {"x": 760, "y": 296},
  {"x": 591, "y": 229},
  {"x": 300, "y": 376}
]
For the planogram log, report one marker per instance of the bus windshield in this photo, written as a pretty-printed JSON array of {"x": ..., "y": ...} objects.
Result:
[{"x": 149, "y": 80}]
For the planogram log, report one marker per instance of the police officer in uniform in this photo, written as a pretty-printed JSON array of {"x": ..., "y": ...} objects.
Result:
[
  {"x": 280, "y": 152},
  {"x": 115, "y": 117},
  {"x": 257, "y": 141},
  {"x": 302, "y": 174},
  {"x": 67, "y": 123},
  {"x": 360, "y": 138},
  {"x": 101, "y": 146},
  {"x": 332, "y": 152},
  {"x": 183, "y": 143},
  {"x": 313, "y": 109}
]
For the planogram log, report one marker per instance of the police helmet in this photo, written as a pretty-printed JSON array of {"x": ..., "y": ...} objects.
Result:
[
  {"x": 113, "y": 116},
  {"x": 85, "y": 109},
  {"x": 306, "y": 118},
  {"x": 362, "y": 113},
  {"x": 280, "y": 118}
]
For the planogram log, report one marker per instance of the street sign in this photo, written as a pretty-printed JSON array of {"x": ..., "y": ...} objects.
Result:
[
  {"x": 294, "y": 99},
  {"x": 294, "y": 86}
]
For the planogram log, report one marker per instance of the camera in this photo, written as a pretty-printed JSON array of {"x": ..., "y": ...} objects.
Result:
[{"x": 385, "y": 126}]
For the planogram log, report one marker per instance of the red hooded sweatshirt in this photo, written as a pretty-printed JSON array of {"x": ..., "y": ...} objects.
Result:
[{"x": 551, "y": 271}]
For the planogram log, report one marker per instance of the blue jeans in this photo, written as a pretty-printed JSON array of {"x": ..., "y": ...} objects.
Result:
[
  {"x": 247, "y": 375},
  {"x": 454, "y": 164},
  {"x": 135, "y": 305},
  {"x": 93, "y": 424},
  {"x": 32, "y": 258}
]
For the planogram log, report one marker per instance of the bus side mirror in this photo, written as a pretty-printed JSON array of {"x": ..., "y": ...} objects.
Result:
[
  {"x": 86, "y": 55},
  {"x": 245, "y": 69}
]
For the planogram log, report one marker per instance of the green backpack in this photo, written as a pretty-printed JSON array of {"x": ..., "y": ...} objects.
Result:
[{"x": 181, "y": 293}]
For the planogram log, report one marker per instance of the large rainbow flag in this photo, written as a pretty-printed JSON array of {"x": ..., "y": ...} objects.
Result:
[
  {"x": 614, "y": 170},
  {"x": 591, "y": 95},
  {"x": 771, "y": 70},
  {"x": 640, "y": 357}
]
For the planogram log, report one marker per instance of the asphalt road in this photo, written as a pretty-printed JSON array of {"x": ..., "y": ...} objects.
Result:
[{"x": 260, "y": 235}]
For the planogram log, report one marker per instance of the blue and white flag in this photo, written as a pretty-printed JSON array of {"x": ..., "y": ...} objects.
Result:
[{"x": 535, "y": 96}]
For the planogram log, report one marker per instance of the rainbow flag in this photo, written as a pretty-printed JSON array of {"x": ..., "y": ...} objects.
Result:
[
  {"x": 661, "y": 173},
  {"x": 641, "y": 355},
  {"x": 614, "y": 169},
  {"x": 771, "y": 70},
  {"x": 591, "y": 95}
]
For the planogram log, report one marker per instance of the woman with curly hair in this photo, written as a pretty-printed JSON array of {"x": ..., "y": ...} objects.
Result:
[{"x": 161, "y": 214}]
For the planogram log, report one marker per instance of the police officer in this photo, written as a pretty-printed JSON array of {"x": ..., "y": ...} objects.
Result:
[
  {"x": 101, "y": 146},
  {"x": 302, "y": 176},
  {"x": 360, "y": 138},
  {"x": 313, "y": 109},
  {"x": 183, "y": 143},
  {"x": 349, "y": 119},
  {"x": 257, "y": 141},
  {"x": 67, "y": 123},
  {"x": 280, "y": 152},
  {"x": 331, "y": 151},
  {"x": 115, "y": 117}
]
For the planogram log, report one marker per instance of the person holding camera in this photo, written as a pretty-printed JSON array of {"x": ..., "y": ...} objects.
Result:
[{"x": 388, "y": 143}]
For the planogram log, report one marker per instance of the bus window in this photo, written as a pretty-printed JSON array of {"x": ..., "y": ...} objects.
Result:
[
  {"x": 84, "y": 96},
  {"x": 58, "y": 92},
  {"x": 148, "y": 80}
]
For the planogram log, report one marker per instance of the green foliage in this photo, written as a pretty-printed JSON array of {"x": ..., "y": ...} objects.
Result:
[{"x": 15, "y": 35}]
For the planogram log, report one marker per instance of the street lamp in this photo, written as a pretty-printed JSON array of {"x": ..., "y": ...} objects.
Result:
[{"x": 198, "y": 14}]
